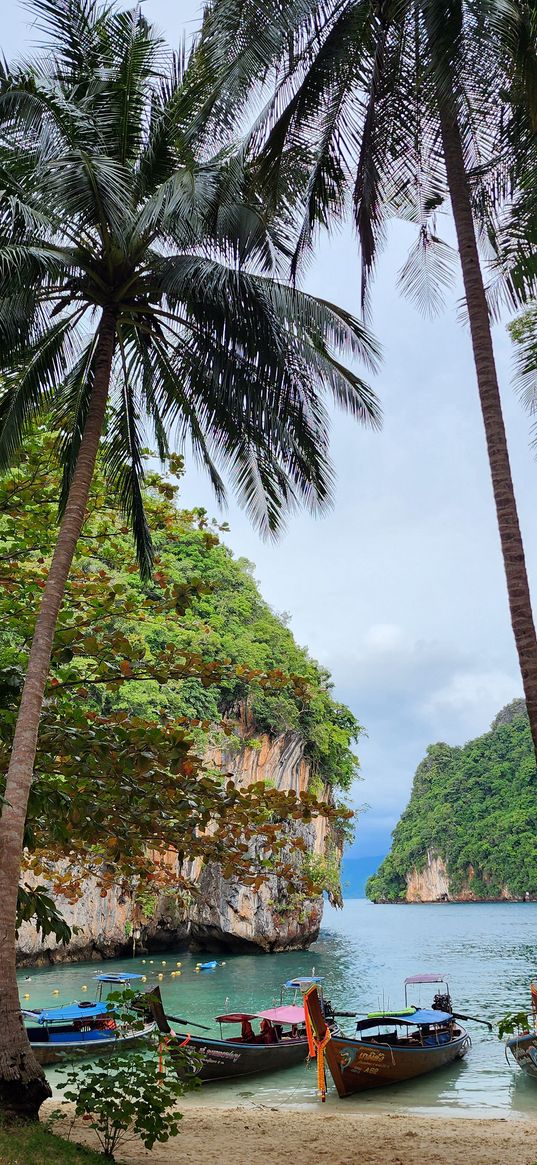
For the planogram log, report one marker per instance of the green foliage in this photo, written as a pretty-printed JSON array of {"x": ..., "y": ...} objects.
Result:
[
  {"x": 35, "y": 904},
  {"x": 476, "y": 808},
  {"x": 514, "y": 1021},
  {"x": 125, "y": 1097},
  {"x": 324, "y": 873},
  {"x": 224, "y": 624},
  {"x": 144, "y": 677},
  {"x": 34, "y": 1144}
]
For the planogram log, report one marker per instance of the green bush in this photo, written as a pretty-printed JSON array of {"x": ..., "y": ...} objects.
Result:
[{"x": 123, "y": 1098}]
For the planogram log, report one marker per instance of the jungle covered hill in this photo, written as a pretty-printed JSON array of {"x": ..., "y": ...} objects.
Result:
[
  {"x": 469, "y": 829},
  {"x": 200, "y": 644}
]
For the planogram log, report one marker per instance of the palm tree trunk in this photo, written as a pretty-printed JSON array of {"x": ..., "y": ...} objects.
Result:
[
  {"x": 491, "y": 407},
  {"x": 23, "y": 1085}
]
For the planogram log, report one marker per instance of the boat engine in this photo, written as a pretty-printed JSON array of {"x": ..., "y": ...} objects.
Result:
[{"x": 442, "y": 1002}]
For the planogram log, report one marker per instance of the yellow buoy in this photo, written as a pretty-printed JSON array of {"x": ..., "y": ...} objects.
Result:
[
  {"x": 197, "y": 969},
  {"x": 144, "y": 978},
  {"x": 84, "y": 988},
  {"x": 164, "y": 961},
  {"x": 56, "y": 991},
  {"x": 178, "y": 964},
  {"x": 178, "y": 972},
  {"x": 161, "y": 976},
  {"x": 26, "y": 996}
]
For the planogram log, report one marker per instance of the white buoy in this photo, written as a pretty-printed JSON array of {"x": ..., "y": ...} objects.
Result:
[{"x": 144, "y": 978}]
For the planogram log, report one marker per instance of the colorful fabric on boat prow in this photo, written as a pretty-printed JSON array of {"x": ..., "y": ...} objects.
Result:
[{"x": 316, "y": 1046}]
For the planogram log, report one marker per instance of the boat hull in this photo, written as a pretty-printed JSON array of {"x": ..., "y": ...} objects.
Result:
[
  {"x": 57, "y": 1051},
  {"x": 225, "y": 1059},
  {"x": 523, "y": 1048},
  {"x": 357, "y": 1065}
]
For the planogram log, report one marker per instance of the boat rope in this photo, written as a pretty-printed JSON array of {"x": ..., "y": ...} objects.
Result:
[
  {"x": 163, "y": 1043},
  {"x": 316, "y": 1046}
]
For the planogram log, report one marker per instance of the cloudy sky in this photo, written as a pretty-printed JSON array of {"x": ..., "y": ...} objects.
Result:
[{"x": 400, "y": 590}]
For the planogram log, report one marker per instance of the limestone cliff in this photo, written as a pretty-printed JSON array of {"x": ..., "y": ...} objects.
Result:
[
  {"x": 222, "y": 914},
  {"x": 432, "y": 884},
  {"x": 468, "y": 832}
]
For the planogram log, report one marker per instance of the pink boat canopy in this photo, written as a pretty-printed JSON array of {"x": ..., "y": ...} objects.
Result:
[
  {"x": 425, "y": 979},
  {"x": 290, "y": 1015},
  {"x": 285, "y": 1014}
]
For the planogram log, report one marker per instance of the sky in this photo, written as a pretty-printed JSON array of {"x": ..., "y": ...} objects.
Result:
[{"x": 400, "y": 590}]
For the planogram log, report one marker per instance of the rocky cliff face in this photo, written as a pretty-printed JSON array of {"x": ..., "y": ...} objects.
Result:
[
  {"x": 222, "y": 915},
  {"x": 431, "y": 884}
]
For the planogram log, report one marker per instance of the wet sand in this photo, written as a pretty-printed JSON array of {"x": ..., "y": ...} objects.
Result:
[{"x": 256, "y": 1135}]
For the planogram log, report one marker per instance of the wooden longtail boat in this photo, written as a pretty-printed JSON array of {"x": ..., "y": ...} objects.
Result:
[
  {"x": 280, "y": 1042},
  {"x": 389, "y": 1046},
  {"x": 523, "y": 1046},
  {"x": 88, "y": 1029}
]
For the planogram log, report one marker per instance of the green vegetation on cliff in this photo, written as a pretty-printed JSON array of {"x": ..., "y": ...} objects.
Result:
[
  {"x": 220, "y": 620},
  {"x": 475, "y": 807}
]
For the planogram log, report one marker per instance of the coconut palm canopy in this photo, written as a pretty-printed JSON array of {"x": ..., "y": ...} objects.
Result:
[
  {"x": 108, "y": 203},
  {"x": 349, "y": 106},
  {"x": 400, "y": 106}
]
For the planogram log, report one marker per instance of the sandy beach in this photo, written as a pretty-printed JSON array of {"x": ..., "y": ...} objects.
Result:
[{"x": 255, "y": 1136}]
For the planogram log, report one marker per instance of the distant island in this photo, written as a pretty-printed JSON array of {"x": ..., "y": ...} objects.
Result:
[{"x": 469, "y": 830}]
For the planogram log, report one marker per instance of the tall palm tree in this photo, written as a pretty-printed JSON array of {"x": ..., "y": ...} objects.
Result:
[
  {"x": 397, "y": 102},
  {"x": 138, "y": 292}
]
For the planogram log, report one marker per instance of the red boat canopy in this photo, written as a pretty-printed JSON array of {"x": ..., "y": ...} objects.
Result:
[
  {"x": 235, "y": 1017},
  {"x": 425, "y": 979}
]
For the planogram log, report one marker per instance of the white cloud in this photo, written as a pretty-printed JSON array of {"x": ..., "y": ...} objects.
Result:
[{"x": 475, "y": 696}]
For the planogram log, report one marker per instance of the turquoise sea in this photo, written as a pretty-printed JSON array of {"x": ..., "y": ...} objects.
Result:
[{"x": 487, "y": 951}]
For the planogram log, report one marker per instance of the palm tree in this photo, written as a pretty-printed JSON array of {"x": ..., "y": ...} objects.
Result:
[
  {"x": 398, "y": 104},
  {"x": 138, "y": 293}
]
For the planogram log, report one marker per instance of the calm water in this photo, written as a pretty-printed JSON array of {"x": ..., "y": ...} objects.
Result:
[{"x": 488, "y": 952}]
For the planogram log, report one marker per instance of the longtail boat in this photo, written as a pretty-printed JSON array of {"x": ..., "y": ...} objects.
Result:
[
  {"x": 280, "y": 1040},
  {"x": 390, "y": 1046},
  {"x": 89, "y": 1029},
  {"x": 523, "y": 1046}
]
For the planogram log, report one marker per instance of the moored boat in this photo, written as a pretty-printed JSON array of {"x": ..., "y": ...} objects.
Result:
[
  {"x": 390, "y": 1046},
  {"x": 280, "y": 1040},
  {"x": 523, "y": 1045},
  {"x": 88, "y": 1028}
]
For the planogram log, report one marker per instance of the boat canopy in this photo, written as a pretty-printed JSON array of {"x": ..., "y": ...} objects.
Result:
[
  {"x": 285, "y": 1014},
  {"x": 236, "y": 1017},
  {"x": 429, "y": 978},
  {"x": 304, "y": 981},
  {"x": 422, "y": 1017},
  {"x": 69, "y": 1013},
  {"x": 119, "y": 977}
]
